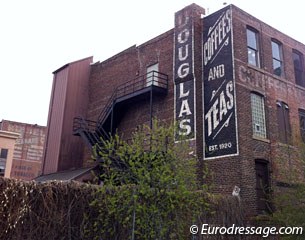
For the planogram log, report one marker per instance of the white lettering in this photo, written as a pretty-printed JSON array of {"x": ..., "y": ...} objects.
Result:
[
  {"x": 183, "y": 67},
  {"x": 185, "y": 108},
  {"x": 229, "y": 89},
  {"x": 181, "y": 18},
  {"x": 216, "y": 72},
  {"x": 180, "y": 57},
  {"x": 183, "y": 36},
  {"x": 215, "y": 112},
  {"x": 220, "y": 108},
  {"x": 183, "y": 70},
  {"x": 182, "y": 93},
  {"x": 216, "y": 37},
  {"x": 208, "y": 117},
  {"x": 185, "y": 125}
]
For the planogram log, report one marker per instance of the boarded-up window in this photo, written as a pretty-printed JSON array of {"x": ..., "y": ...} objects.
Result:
[
  {"x": 283, "y": 121},
  {"x": 298, "y": 68},
  {"x": 302, "y": 123},
  {"x": 262, "y": 187}
]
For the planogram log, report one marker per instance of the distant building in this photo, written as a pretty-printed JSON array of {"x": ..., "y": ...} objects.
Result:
[
  {"x": 234, "y": 84},
  {"x": 7, "y": 143},
  {"x": 28, "y": 149}
]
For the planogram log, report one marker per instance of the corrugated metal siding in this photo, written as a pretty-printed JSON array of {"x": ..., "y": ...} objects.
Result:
[
  {"x": 55, "y": 121},
  {"x": 76, "y": 104},
  {"x": 69, "y": 99}
]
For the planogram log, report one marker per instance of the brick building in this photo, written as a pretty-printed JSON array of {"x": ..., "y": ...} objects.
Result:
[
  {"x": 28, "y": 149},
  {"x": 7, "y": 143},
  {"x": 234, "y": 84}
]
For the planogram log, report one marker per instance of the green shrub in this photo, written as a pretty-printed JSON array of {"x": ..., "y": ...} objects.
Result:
[{"x": 150, "y": 187}]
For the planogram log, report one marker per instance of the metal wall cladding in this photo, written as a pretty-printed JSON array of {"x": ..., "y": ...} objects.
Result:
[
  {"x": 69, "y": 99},
  {"x": 28, "y": 151},
  {"x": 55, "y": 120}
]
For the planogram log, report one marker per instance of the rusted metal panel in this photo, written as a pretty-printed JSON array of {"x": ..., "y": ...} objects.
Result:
[
  {"x": 76, "y": 105},
  {"x": 28, "y": 151},
  {"x": 69, "y": 98},
  {"x": 55, "y": 121}
]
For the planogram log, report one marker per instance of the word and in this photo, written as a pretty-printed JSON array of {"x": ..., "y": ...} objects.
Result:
[{"x": 216, "y": 72}]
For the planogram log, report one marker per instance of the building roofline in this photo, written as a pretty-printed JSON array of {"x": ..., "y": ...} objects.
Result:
[
  {"x": 234, "y": 7},
  {"x": 7, "y": 134},
  {"x": 21, "y": 123},
  {"x": 67, "y": 64},
  {"x": 135, "y": 46},
  {"x": 65, "y": 175}
]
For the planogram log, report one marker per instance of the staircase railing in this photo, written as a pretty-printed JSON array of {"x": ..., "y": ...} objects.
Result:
[
  {"x": 90, "y": 128},
  {"x": 93, "y": 131},
  {"x": 153, "y": 78}
]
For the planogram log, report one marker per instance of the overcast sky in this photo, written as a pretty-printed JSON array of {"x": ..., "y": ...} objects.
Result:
[{"x": 38, "y": 37}]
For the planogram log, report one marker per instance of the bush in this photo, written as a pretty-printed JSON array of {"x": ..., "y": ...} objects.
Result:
[
  {"x": 53, "y": 210},
  {"x": 150, "y": 191},
  {"x": 72, "y": 210},
  {"x": 150, "y": 187}
]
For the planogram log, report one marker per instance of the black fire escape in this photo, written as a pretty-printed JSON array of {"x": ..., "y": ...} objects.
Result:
[{"x": 143, "y": 88}]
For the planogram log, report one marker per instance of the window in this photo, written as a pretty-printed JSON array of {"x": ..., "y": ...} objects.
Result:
[
  {"x": 2, "y": 171},
  {"x": 258, "y": 115},
  {"x": 3, "y": 157},
  {"x": 277, "y": 58},
  {"x": 298, "y": 68},
  {"x": 283, "y": 122},
  {"x": 253, "y": 46},
  {"x": 302, "y": 123},
  {"x": 262, "y": 186},
  {"x": 3, "y": 153},
  {"x": 152, "y": 75}
]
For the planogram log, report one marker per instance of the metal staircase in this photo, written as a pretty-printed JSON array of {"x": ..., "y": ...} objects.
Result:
[
  {"x": 142, "y": 87},
  {"x": 89, "y": 131}
]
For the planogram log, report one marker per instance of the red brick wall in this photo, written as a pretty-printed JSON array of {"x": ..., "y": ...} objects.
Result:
[
  {"x": 248, "y": 78},
  {"x": 126, "y": 66},
  {"x": 227, "y": 172}
]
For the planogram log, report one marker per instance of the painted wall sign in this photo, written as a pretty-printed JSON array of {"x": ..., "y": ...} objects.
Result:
[
  {"x": 256, "y": 80},
  {"x": 184, "y": 75},
  {"x": 220, "y": 123},
  {"x": 28, "y": 150}
]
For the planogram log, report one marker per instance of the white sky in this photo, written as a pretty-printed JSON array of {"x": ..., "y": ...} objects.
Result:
[{"x": 38, "y": 37}]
